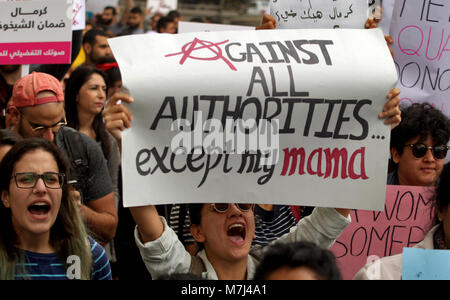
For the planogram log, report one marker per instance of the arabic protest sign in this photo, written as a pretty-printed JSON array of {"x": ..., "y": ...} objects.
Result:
[
  {"x": 320, "y": 13},
  {"x": 406, "y": 219},
  {"x": 37, "y": 32},
  {"x": 79, "y": 15},
  {"x": 97, "y": 6},
  {"x": 421, "y": 32},
  {"x": 161, "y": 6},
  {"x": 425, "y": 264},
  {"x": 294, "y": 98},
  {"x": 373, "y": 4},
  {"x": 184, "y": 27}
]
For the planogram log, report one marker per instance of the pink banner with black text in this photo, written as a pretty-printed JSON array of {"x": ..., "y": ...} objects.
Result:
[{"x": 407, "y": 217}]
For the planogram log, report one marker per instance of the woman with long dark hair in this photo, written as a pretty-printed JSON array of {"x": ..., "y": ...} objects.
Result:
[
  {"x": 43, "y": 235},
  {"x": 85, "y": 96}
]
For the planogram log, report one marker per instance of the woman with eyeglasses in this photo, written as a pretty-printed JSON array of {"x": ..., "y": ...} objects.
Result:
[
  {"x": 224, "y": 232},
  {"x": 43, "y": 235},
  {"x": 419, "y": 146},
  {"x": 438, "y": 237}
]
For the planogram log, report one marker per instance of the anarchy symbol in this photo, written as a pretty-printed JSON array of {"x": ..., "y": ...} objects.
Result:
[{"x": 196, "y": 45}]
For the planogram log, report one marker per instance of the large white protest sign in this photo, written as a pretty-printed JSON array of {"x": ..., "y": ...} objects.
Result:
[
  {"x": 324, "y": 89},
  {"x": 161, "y": 6},
  {"x": 35, "y": 32},
  {"x": 421, "y": 32},
  {"x": 184, "y": 27},
  {"x": 292, "y": 14},
  {"x": 97, "y": 6}
]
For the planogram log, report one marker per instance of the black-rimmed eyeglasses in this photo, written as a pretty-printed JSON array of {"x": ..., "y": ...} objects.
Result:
[{"x": 28, "y": 180}]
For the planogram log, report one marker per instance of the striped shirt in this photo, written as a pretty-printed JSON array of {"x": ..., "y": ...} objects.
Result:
[
  {"x": 270, "y": 225},
  {"x": 175, "y": 220},
  {"x": 41, "y": 266}
]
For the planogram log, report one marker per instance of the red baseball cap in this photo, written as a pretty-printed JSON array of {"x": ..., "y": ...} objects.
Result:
[{"x": 26, "y": 90}]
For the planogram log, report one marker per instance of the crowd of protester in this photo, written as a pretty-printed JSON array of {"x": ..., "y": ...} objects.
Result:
[{"x": 60, "y": 147}]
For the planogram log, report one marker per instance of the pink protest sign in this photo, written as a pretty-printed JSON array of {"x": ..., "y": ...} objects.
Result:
[
  {"x": 29, "y": 53},
  {"x": 35, "y": 32},
  {"x": 407, "y": 217}
]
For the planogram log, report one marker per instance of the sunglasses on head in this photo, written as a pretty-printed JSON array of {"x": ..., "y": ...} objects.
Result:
[
  {"x": 223, "y": 207},
  {"x": 419, "y": 150}
]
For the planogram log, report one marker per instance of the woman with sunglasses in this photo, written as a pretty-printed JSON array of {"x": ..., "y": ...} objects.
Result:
[
  {"x": 43, "y": 235},
  {"x": 438, "y": 237},
  {"x": 224, "y": 233},
  {"x": 419, "y": 146}
]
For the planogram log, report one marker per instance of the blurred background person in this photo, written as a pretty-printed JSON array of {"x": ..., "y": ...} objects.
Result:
[{"x": 7, "y": 140}]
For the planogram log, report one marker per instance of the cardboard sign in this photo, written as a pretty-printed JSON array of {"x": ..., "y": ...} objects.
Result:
[
  {"x": 423, "y": 264},
  {"x": 35, "y": 32},
  {"x": 406, "y": 219},
  {"x": 161, "y": 6},
  {"x": 315, "y": 138},
  {"x": 184, "y": 27},
  {"x": 421, "y": 32},
  {"x": 291, "y": 14}
]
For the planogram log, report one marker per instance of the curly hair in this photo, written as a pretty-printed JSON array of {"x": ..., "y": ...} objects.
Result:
[{"x": 423, "y": 120}]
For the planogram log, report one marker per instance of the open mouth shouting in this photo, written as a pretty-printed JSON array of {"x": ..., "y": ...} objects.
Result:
[
  {"x": 236, "y": 233},
  {"x": 39, "y": 210}
]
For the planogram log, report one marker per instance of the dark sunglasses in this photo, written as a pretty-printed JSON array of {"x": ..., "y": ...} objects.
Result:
[
  {"x": 224, "y": 207},
  {"x": 419, "y": 150}
]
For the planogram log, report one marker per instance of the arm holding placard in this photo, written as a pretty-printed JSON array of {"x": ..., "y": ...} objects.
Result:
[
  {"x": 268, "y": 22},
  {"x": 372, "y": 22}
]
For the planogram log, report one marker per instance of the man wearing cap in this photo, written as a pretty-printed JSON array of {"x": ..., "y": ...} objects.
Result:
[{"x": 38, "y": 111}]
